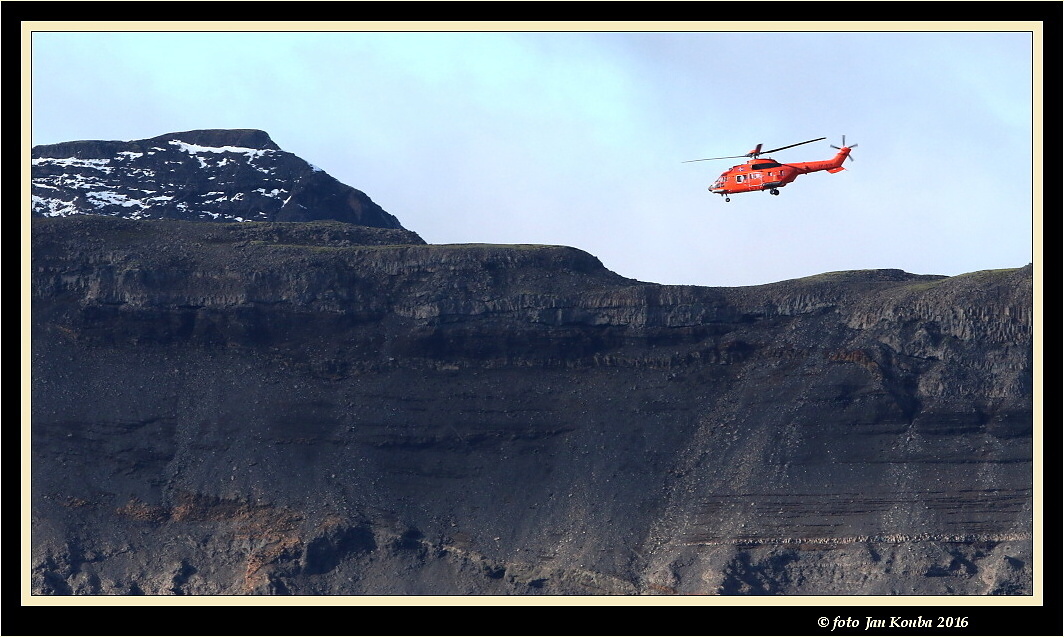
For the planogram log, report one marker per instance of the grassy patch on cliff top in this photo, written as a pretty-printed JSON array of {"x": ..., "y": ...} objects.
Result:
[
  {"x": 391, "y": 246},
  {"x": 979, "y": 277}
]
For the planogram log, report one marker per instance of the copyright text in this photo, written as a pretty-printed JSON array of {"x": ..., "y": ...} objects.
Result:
[{"x": 894, "y": 621}]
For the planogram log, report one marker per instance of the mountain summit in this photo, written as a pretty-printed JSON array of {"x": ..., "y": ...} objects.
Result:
[{"x": 198, "y": 175}]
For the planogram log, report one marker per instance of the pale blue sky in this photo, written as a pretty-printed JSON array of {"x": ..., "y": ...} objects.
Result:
[{"x": 578, "y": 138}]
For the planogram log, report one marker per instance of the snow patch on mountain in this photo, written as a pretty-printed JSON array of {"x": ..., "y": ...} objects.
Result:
[
  {"x": 100, "y": 198},
  {"x": 98, "y": 164},
  {"x": 192, "y": 149}
]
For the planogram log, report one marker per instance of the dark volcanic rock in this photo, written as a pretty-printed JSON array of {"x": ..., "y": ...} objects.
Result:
[
  {"x": 298, "y": 408},
  {"x": 200, "y": 175}
]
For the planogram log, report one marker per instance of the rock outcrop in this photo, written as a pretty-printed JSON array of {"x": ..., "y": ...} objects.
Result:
[{"x": 320, "y": 408}]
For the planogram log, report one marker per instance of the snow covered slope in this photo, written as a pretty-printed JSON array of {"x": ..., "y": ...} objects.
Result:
[{"x": 202, "y": 175}]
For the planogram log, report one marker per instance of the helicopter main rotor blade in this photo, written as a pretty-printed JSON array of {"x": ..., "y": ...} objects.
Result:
[
  {"x": 765, "y": 152},
  {"x": 755, "y": 153},
  {"x": 712, "y": 158}
]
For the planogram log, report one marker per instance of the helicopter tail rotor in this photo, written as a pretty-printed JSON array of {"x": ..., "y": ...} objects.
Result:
[{"x": 850, "y": 157}]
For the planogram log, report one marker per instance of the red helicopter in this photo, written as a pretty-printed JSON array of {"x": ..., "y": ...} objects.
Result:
[{"x": 765, "y": 173}]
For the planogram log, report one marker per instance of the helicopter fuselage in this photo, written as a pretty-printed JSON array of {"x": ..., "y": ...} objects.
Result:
[{"x": 765, "y": 173}]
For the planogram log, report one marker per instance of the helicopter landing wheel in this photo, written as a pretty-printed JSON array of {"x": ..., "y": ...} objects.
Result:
[
  {"x": 727, "y": 199},
  {"x": 774, "y": 191}
]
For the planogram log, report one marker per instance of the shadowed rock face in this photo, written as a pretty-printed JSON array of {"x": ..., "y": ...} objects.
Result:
[
  {"x": 199, "y": 175},
  {"x": 318, "y": 408}
]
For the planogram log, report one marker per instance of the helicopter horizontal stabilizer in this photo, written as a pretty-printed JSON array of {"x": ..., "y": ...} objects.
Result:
[{"x": 835, "y": 170}]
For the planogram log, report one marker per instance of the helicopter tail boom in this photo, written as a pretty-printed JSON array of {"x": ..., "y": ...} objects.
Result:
[{"x": 832, "y": 165}]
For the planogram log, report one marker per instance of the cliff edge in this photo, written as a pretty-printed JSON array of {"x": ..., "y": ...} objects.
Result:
[{"x": 321, "y": 408}]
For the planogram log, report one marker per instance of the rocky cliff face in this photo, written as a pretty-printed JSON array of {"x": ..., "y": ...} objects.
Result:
[
  {"x": 200, "y": 175},
  {"x": 321, "y": 408}
]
